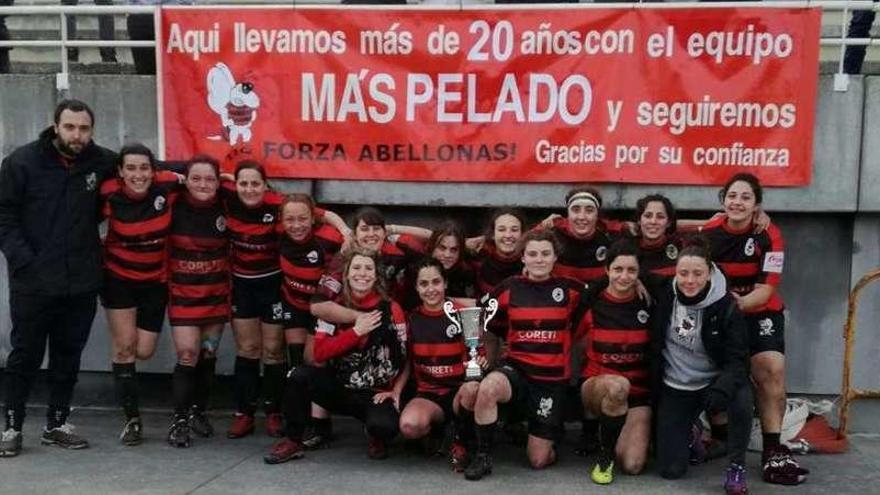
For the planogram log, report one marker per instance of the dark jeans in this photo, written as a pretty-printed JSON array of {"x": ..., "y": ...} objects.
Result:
[
  {"x": 141, "y": 27},
  {"x": 105, "y": 31},
  {"x": 859, "y": 27},
  {"x": 63, "y": 321},
  {"x": 307, "y": 384},
  {"x": 677, "y": 411}
]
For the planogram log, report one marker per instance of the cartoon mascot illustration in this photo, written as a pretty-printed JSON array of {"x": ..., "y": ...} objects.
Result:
[{"x": 235, "y": 103}]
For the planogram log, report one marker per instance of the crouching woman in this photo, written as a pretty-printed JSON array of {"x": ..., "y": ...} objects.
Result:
[
  {"x": 366, "y": 369},
  {"x": 701, "y": 356}
]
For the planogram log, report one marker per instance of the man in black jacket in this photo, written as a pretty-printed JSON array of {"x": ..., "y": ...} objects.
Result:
[{"x": 49, "y": 236}]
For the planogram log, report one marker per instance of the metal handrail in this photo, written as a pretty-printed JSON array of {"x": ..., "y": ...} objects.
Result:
[
  {"x": 64, "y": 10},
  {"x": 848, "y": 393}
]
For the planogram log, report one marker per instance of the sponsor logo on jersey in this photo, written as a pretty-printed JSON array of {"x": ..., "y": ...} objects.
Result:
[
  {"x": 672, "y": 251},
  {"x": 773, "y": 262}
]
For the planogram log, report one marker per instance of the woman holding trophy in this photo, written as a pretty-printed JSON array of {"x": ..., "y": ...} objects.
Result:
[
  {"x": 437, "y": 355},
  {"x": 542, "y": 313}
]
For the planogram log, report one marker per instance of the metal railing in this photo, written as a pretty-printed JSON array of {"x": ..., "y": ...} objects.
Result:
[
  {"x": 848, "y": 393},
  {"x": 63, "y": 43}
]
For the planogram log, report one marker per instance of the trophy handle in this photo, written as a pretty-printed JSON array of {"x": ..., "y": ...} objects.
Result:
[
  {"x": 491, "y": 309},
  {"x": 449, "y": 310}
]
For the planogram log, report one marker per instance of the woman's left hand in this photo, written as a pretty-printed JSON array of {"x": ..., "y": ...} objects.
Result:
[
  {"x": 739, "y": 300},
  {"x": 383, "y": 396}
]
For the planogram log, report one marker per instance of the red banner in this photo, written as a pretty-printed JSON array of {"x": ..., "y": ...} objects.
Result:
[{"x": 674, "y": 96}]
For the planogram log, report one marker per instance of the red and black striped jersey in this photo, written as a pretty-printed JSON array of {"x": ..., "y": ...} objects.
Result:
[
  {"x": 437, "y": 359},
  {"x": 303, "y": 264},
  {"x": 583, "y": 259},
  {"x": 491, "y": 267},
  {"x": 541, "y": 321},
  {"x": 659, "y": 257},
  {"x": 747, "y": 258},
  {"x": 253, "y": 232},
  {"x": 137, "y": 228},
  {"x": 618, "y": 341},
  {"x": 198, "y": 260}
]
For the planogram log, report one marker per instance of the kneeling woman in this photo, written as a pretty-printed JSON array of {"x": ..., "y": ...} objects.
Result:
[
  {"x": 617, "y": 370},
  {"x": 367, "y": 365},
  {"x": 437, "y": 359},
  {"x": 700, "y": 352}
]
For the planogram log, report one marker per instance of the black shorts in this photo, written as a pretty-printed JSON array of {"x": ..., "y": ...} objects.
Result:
[
  {"x": 297, "y": 318},
  {"x": 257, "y": 298},
  {"x": 148, "y": 298},
  {"x": 442, "y": 400},
  {"x": 542, "y": 404},
  {"x": 766, "y": 331}
]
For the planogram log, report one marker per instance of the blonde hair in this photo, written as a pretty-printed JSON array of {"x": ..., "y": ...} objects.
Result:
[{"x": 379, "y": 285}]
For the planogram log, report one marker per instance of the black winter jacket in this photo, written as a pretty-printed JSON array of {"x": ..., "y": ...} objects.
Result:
[
  {"x": 724, "y": 337},
  {"x": 49, "y": 215}
]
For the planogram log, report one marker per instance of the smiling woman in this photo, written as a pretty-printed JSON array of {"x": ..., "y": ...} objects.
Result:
[{"x": 359, "y": 370}]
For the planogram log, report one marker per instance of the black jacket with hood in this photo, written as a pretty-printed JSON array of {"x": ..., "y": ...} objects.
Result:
[
  {"x": 49, "y": 215},
  {"x": 723, "y": 332}
]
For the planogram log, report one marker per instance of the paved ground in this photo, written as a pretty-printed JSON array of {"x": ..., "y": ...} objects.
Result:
[{"x": 218, "y": 465}]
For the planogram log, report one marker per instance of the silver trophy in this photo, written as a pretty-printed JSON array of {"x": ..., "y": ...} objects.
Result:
[{"x": 470, "y": 323}]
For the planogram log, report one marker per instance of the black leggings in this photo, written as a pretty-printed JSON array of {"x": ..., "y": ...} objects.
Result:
[
  {"x": 307, "y": 384},
  {"x": 677, "y": 411}
]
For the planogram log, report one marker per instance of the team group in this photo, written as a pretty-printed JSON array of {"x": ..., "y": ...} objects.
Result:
[{"x": 667, "y": 318}]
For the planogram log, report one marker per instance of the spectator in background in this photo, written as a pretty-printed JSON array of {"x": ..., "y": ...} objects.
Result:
[
  {"x": 859, "y": 27},
  {"x": 106, "y": 30},
  {"x": 141, "y": 27},
  {"x": 4, "y": 36}
]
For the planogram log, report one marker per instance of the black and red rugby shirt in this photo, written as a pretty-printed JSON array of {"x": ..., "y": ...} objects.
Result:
[
  {"x": 304, "y": 263},
  {"x": 747, "y": 258},
  {"x": 135, "y": 248},
  {"x": 437, "y": 358},
  {"x": 198, "y": 262},
  {"x": 541, "y": 321},
  {"x": 618, "y": 341},
  {"x": 583, "y": 259}
]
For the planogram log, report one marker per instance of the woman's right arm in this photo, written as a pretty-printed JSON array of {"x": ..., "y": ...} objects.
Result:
[{"x": 329, "y": 346}]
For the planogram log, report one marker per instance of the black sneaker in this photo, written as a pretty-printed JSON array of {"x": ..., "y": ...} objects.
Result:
[
  {"x": 313, "y": 439},
  {"x": 199, "y": 424},
  {"x": 480, "y": 465},
  {"x": 178, "y": 433},
  {"x": 132, "y": 434},
  {"x": 10, "y": 443},
  {"x": 63, "y": 436}
]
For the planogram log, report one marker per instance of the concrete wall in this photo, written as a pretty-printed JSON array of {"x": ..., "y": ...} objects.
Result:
[{"x": 832, "y": 228}]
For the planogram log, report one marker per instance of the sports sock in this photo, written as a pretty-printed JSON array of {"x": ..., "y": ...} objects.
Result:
[{"x": 125, "y": 376}]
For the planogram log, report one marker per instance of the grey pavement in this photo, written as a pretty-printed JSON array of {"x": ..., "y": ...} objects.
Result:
[{"x": 221, "y": 466}]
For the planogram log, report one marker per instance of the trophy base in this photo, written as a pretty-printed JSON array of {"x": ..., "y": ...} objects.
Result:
[{"x": 473, "y": 372}]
